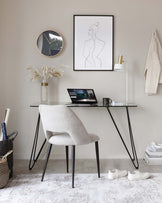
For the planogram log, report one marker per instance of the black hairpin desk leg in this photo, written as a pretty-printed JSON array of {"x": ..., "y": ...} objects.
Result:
[
  {"x": 132, "y": 157},
  {"x": 33, "y": 160}
]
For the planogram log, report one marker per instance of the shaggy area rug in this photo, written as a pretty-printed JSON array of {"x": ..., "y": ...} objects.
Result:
[{"x": 56, "y": 188}]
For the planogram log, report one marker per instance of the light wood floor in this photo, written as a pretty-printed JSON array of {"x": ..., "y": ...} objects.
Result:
[{"x": 82, "y": 166}]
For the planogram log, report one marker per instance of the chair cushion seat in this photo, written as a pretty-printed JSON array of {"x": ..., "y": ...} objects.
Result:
[
  {"x": 65, "y": 139},
  {"x": 61, "y": 139}
]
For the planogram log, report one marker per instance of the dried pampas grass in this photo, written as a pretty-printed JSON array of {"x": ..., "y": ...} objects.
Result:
[{"x": 44, "y": 73}]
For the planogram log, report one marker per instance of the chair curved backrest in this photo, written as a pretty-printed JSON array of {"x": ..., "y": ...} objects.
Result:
[{"x": 61, "y": 119}]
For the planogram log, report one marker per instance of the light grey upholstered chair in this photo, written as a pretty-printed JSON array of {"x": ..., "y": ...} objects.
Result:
[{"x": 62, "y": 127}]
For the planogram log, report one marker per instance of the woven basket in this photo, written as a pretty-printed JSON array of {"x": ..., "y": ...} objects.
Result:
[
  {"x": 6, "y": 146},
  {"x": 4, "y": 173},
  {"x": 4, "y": 170}
]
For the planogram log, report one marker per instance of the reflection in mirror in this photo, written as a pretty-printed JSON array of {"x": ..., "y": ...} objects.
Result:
[{"x": 50, "y": 43}]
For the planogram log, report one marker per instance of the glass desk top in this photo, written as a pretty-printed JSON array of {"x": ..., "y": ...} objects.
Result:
[{"x": 99, "y": 104}]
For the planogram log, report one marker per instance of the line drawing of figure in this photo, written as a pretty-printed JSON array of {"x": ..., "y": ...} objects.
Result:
[{"x": 93, "y": 47}]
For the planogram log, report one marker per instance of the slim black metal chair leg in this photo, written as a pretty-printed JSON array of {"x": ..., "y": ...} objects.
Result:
[
  {"x": 73, "y": 164},
  {"x": 97, "y": 158},
  {"x": 67, "y": 158},
  {"x": 45, "y": 166}
]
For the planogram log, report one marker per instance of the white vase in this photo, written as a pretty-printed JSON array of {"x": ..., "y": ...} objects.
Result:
[{"x": 44, "y": 92}]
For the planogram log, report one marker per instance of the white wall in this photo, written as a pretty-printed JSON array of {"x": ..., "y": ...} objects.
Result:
[{"x": 21, "y": 21}]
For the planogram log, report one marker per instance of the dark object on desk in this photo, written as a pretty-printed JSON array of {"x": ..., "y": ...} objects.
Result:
[
  {"x": 82, "y": 96},
  {"x": 4, "y": 131},
  {"x": 107, "y": 101},
  {"x": 5, "y": 146}
]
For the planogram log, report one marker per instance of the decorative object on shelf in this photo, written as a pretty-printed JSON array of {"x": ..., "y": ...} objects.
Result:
[
  {"x": 44, "y": 74},
  {"x": 50, "y": 43},
  {"x": 93, "y": 42}
]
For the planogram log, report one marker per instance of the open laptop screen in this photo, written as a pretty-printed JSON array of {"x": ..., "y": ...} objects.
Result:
[{"x": 86, "y": 96}]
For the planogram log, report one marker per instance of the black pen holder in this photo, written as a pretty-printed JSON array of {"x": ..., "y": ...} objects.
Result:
[{"x": 107, "y": 101}]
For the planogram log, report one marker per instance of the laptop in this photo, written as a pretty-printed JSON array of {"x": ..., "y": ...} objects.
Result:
[{"x": 82, "y": 96}]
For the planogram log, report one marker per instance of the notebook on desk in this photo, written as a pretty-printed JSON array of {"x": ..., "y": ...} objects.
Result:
[{"x": 82, "y": 96}]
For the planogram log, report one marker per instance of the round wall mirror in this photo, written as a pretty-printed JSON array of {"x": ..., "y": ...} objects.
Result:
[{"x": 50, "y": 43}]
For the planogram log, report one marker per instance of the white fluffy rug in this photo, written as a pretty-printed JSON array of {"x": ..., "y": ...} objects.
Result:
[{"x": 56, "y": 188}]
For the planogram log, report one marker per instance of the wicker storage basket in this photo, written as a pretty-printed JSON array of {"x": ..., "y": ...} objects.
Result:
[
  {"x": 6, "y": 146},
  {"x": 4, "y": 170},
  {"x": 4, "y": 173}
]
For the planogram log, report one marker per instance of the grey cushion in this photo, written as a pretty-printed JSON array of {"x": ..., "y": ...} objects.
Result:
[{"x": 65, "y": 139}]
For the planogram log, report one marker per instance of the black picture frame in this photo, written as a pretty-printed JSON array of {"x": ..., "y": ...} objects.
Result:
[{"x": 93, "y": 42}]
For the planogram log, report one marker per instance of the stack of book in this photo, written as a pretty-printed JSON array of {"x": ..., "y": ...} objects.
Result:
[{"x": 153, "y": 154}]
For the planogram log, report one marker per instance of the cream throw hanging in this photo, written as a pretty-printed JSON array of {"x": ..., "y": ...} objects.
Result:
[{"x": 153, "y": 73}]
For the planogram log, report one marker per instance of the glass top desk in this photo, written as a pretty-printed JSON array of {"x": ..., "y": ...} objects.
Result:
[
  {"x": 99, "y": 104},
  {"x": 132, "y": 155}
]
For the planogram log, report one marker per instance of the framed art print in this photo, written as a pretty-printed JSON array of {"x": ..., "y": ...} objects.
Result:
[{"x": 93, "y": 44}]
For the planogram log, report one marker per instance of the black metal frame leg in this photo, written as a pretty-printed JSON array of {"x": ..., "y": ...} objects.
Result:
[
  {"x": 33, "y": 160},
  {"x": 132, "y": 157},
  {"x": 135, "y": 158},
  {"x": 67, "y": 158},
  {"x": 73, "y": 164},
  {"x": 97, "y": 158}
]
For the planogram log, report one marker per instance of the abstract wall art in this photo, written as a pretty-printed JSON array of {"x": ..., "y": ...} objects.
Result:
[{"x": 93, "y": 44}]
